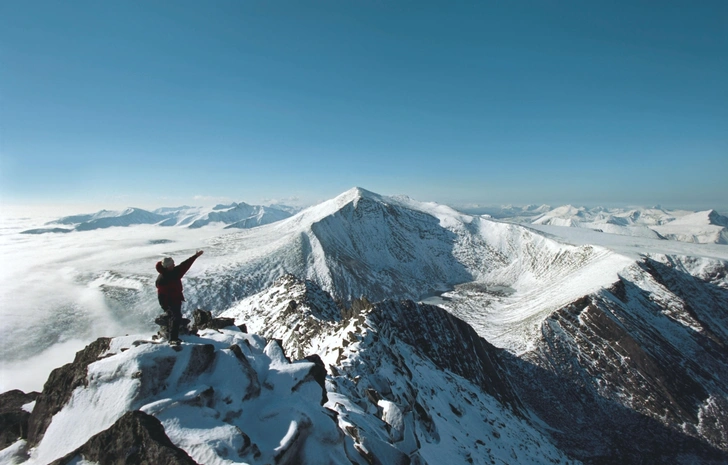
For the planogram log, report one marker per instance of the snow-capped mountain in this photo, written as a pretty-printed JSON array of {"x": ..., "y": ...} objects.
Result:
[{"x": 585, "y": 345}]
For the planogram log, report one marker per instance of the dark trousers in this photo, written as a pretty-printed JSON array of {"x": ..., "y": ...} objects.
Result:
[{"x": 175, "y": 318}]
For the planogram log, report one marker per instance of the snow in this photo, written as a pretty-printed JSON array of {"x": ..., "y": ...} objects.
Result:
[
  {"x": 29, "y": 407},
  {"x": 15, "y": 453},
  {"x": 634, "y": 247}
]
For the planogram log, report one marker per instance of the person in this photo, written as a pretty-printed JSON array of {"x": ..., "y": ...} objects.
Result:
[{"x": 169, "y": 291}]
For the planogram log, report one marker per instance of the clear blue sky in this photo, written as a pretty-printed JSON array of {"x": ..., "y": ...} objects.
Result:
[{"x": 160, "y": 103}]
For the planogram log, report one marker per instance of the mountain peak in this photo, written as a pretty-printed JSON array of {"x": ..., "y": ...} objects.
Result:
[
  {"x": 717, "y": 219},
  {"x": 356, "y": 193}
]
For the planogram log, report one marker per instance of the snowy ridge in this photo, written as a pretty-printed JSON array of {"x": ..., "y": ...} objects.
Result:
[
  {"x": 358, "y": 244},
  {"x": 536, "y": 277},
  {"x": 395, "y": 397},
  {"x": 701, "y": 227}
]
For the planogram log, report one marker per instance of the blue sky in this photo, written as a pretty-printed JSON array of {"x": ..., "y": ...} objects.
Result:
[{"x": 152, "y": 103}]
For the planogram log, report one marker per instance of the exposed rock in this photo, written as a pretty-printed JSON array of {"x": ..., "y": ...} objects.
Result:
[
  {"x": 318, "y": 373},
  {"x": 205, "y": 320},
  {"x": 59, "y": 387},
  {"x": 253, "y": 389},
  {"x": 136, "y": 438},
  {"x": 13, "y": 418},
  {"x": 163, "y": 322},
  {"x": 201, "y": 359}
]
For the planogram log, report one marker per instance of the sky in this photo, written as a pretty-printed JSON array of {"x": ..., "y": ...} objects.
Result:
[{"x": 166, "y": 103}]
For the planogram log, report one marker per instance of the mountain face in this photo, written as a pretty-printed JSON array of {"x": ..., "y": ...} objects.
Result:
[
  {"x": 702, "y": 227},
  {"x": 444, "y": 337},
  {"x": 633, "y": 372}
]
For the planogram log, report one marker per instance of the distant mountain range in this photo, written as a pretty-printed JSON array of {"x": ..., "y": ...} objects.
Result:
[
  {"x": 687, "y": 226},
  {"x": 651, "y": 222},
  {"x": 236, "y": 215}
]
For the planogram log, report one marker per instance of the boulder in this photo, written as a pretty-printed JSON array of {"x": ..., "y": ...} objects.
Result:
[
  {"x": 205, "y": 320},
  {"x": 13, "y": 417},
  {"x": 136, "y": 438}
]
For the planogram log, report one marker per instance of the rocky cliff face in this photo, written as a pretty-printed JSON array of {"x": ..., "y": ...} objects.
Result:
[{"x": 630, "y": 374}]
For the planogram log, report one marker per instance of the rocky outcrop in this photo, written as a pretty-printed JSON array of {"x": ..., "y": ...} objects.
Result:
[
  {"x": 13, "y": 416},
  {"x": 59, "y": 387},
  {"x": 204, "y": 320},
  {"x": 318, "y": 374},
  {"x": 135, "y": 438}
]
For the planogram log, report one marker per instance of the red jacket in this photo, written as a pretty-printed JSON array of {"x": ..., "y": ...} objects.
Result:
[{"x": 169, "y": 282}]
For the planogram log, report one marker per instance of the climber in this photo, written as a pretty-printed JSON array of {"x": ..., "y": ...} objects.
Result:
[{"x": 169, "y": 291}]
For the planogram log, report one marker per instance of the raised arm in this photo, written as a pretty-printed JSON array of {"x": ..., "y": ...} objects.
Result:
[{"x": 183, "y": 267}]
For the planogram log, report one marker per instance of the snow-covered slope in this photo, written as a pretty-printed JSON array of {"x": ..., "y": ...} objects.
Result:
[
  {"x": 241, "y": 216},
  {"x": 358, "y": 244},
  {"x": 405, "y": 375},
  {"x": 362, "y": 244},
  {"x": 515, "y": 213},
  {"x": 704, "y": 227}
]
